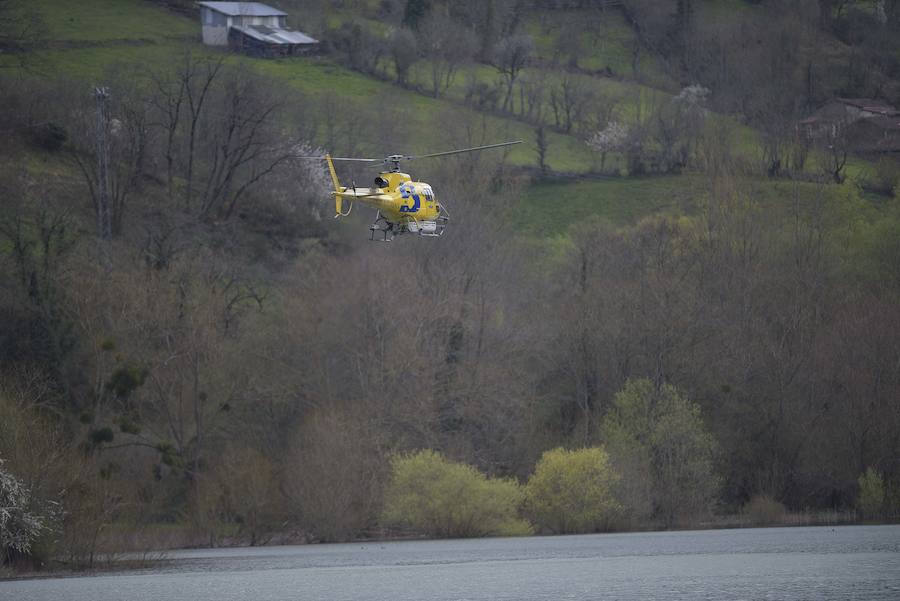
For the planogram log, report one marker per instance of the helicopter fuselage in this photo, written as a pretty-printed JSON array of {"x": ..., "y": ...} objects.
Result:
[
  {"x": 399, "y": 199},
  {"x": 403, "y": 206}
]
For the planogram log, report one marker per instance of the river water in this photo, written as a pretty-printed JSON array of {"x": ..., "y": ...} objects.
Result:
[{"x": 845, "y": 562}]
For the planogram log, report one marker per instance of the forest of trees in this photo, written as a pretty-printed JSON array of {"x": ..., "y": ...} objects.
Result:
[{"x": 217, "y": 354}]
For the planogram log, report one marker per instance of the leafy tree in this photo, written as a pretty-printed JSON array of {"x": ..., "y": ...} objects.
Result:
[
  {"x": 572, "y": 491},
  {"x": 662, "y": 433},
  {"x": 447, "y": 499}
]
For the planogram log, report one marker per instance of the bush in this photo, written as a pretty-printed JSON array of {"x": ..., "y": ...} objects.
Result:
[
  {"x": 887, "y": 176},
  {"x": 571, "y": 491},
  {"x": 446, "y": 499},
  {"x": 883, "y": 179},
  {"x": 244, "y": 493},
  {"x": 334, "y": 475},
  {"x": 871, "y": 494},
  {"x": 763, "y": 510},
  {"x": 50, "y": 136}
]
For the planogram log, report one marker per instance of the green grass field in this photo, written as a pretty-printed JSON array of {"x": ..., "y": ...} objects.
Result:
[
  {"x": 106, "y": 20},
  {"x": 551, "y": 207}
]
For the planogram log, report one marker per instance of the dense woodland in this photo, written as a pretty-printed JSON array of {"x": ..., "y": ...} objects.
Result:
[{"x": 216, "y": 356}]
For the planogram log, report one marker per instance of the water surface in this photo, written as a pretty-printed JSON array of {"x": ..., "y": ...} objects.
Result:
[{"x": 846, "y": 562}]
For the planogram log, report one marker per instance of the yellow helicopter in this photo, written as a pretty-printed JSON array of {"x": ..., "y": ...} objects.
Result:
[{"x": 403, "y": 206}]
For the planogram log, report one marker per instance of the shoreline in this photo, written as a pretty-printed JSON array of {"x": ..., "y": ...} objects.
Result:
[{"x": 128, "y": 561}]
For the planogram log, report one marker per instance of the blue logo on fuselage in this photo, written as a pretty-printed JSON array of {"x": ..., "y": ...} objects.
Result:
[{"x": 407, "y": 190}]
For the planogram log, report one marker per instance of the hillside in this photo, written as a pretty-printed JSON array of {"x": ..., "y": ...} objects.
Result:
[
  {"x": 681, "y": 264},
  {"x": 85, "y": 42}
]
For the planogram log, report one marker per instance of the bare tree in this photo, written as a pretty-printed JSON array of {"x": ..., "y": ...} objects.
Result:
[
  {"x": 510, "y": 57},
  {"x": 363, "y": 48},
  {"x": 568, "y": 42},
  {"x": 491, "y": 21},
  {"x": 21, "y": 30},
  {"x": 243, "y": 146},
  {"x": 39, "y": 241},
  {"x": 197, "y": 77},
  {"x": 168, "y": 99},
  {"x": 447, "y": 46},
  {"x": 569, "y": 102},
  {"x": 532, "y": 96},
  {"x": 542, "y": 144},
  {"x": 403, "y": 49},
  {"x": 835, "y": 147}
]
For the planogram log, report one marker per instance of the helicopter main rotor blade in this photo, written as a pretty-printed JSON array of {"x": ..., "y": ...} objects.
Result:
[
  {"x": 440, "y": 154},
  {"x": 322, "y": 158}
]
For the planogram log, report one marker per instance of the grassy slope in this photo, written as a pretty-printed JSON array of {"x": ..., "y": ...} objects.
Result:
[
  {"x": 107, "y": 31},
  {"x": 551, "y": 207}
]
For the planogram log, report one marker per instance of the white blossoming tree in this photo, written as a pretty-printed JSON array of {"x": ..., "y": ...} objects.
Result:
[
  {"x": 679, "y": 126},
  {"x": 612, "y": 138},
  {"x": 18, "y": 526}
]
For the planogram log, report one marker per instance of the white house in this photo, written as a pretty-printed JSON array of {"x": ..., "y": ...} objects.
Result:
[{"x": 251, "y": 27}]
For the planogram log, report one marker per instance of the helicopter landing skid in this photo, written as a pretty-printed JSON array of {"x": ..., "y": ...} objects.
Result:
[{"x": 384, "y": 226}]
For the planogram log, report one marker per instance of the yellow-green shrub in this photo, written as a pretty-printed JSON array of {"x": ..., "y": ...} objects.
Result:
[
  {"x": 871, "y": 494},
  {"x": 571, "y": 491},
  {"x": 446, "y": 499}
]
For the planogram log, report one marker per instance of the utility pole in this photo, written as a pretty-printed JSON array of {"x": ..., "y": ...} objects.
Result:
[{"x": 104, "y": 221}]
